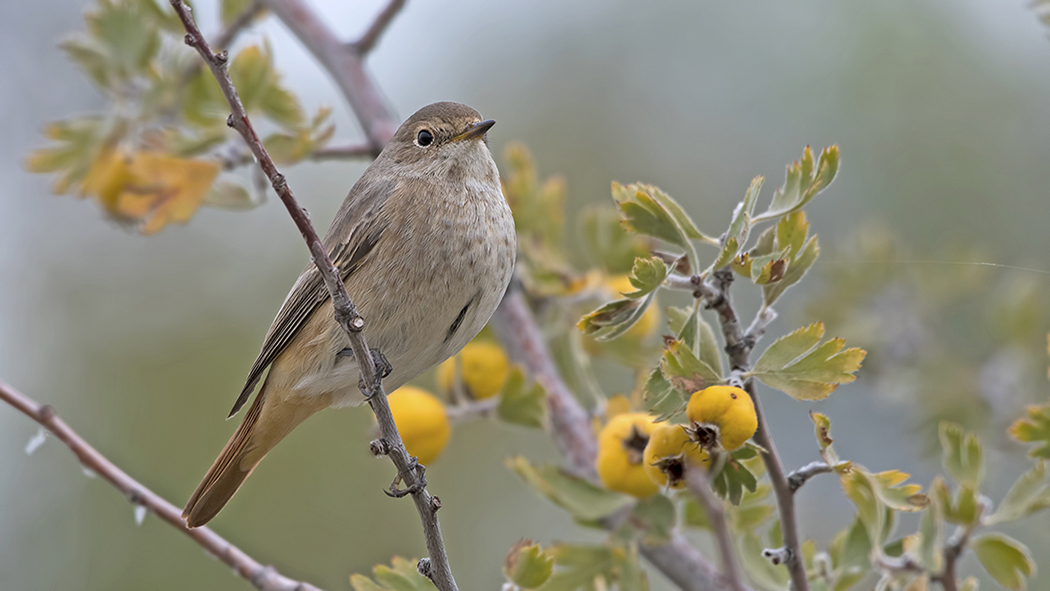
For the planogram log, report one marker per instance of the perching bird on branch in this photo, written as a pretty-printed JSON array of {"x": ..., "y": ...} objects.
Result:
[{"x": 425, "y": 245}]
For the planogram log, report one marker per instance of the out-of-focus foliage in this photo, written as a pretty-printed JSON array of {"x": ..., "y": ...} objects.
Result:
[
  {"x": 401, "y": 575},
  {"x": 155, "y": 157}
]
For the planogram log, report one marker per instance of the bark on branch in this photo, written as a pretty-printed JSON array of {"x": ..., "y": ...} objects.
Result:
[
  {"x": 264, "y": 578},
  {"x": 346, "y": 314}
]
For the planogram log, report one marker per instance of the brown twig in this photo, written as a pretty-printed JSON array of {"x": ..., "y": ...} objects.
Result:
[
  {"x": 346, "y": 314},
  {"x": 697, "y": 482},
  {"x": 368, "y": 41},
  {"x": 264, "y": 578}
]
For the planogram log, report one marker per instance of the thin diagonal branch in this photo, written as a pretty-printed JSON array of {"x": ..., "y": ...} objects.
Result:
[
  {"x": 697, "y": 482},
  {"x": 264, "y": 578},
  {"x": 368, "y": 41},
  {"x": 346, "y": 314}
]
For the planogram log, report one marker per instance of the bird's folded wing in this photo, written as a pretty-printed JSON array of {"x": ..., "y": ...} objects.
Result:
[{"x": 357, "y": 228}]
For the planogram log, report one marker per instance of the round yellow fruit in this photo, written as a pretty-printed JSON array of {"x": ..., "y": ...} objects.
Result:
[
  {"x": 621, "y": 447},
  {"x": 669, "y": 452},
  {"x": 422, "y": 421},
  {"x": 484, "y": 371},
  {"x": 721, "y": 418}
]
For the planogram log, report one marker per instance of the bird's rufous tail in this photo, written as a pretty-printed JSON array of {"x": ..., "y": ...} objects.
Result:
[{"x": 270, "y": 418}]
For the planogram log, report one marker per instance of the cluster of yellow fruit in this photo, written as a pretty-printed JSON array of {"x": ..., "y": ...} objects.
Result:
[
  {"x": 421, "y": 417},
  {"x": 637, "y": 456}
]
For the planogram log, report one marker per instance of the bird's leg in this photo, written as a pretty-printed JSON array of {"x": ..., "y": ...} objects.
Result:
[
  {"x": 382, "y": 365},
  {"x": 420, "y": 484}
]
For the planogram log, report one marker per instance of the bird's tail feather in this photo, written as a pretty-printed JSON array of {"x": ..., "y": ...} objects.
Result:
[{"x": 267, "y": 422}]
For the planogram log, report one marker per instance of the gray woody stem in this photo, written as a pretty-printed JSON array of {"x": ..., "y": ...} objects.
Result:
[
  {"x": 738, "y": 346},
  {"x": 570, "y": 424},
  {"x": 799, "y": 477},
  {"x": 264, "y": 578},
  {"x": 437, "y": 567},
  {"x": 697, "y": 482}
]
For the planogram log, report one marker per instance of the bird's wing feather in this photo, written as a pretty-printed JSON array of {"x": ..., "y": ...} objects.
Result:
[{"x": 358, "y": 226}]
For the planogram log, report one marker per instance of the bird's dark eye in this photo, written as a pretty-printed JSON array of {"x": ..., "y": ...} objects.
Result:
[{"x": 425, "y": 138}]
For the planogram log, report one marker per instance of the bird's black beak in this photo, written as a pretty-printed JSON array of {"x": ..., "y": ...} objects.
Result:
[{"x": 475, "y": 130}]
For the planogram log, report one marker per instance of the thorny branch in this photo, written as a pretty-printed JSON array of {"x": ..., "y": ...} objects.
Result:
[
  {"x": 437, "y": 567},
  {"x": 698, "y": 483},
  {"x": 264, "y": 578}
]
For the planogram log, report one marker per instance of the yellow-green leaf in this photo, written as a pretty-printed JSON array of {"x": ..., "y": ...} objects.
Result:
[
  {"x": 527, "y": 565},
  {"x": 803, "y": 181},
  {"x": 1035, "y": 428},
  {"x": 1008, "y": 561},
  {"x": 961, "y": 453},
  {"x": 574, "y": 494},
  {"x": 400, "y": 576},
  {"x": 796, "y": 365},
  {"x": 522, "y": 404}
]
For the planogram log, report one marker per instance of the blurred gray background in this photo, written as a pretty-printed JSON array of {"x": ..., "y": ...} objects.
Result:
[{"x": 940, "y": 108}]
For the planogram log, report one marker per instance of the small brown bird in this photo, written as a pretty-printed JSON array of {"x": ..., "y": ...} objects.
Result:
[{"x": 425, "y": 244}]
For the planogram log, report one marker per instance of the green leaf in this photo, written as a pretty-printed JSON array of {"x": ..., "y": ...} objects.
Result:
[
  {"x": 734, "y": 478},
  {"x": 803, "y": 182},
  {"x": 662, "y": 400},
  {"x": 647, "y": 275},
  {"x": 930, "y": 553},
  {"x": 1008, "y": 561},
  {"x": 227, "y": 195},
  {"x": 652, "y": 521},
  {"x": 964, "y": 509},
  {"x": 522, "y": 404},
  {"x": 739, "y": 227},
  {"x": 790, "y": 234},
  {"x": 578, "y": 565},
  {"x": 251, "y": 71},
  {"x": 231, "y": 9},
  {"x": 615, "y": 318},
  {"x": 684, "y": 370},
  {"x": 574, "y": 494},
  {"x": 606, "y": 242},
  {"x": 1028, "y": 495},
  {"x": 1034, "y": 429},
  {"x": 400, "y": 576},
  {"x": 961, "y": 453},
  {"x": 754, "y": 509},
  {"x": 527, "y": 565},
  {"x": 856, "y": 548},
  {"x": 644, "y": 209},
  {"x": 281, "y": 106},
  {"x": 795, "y": 364}
]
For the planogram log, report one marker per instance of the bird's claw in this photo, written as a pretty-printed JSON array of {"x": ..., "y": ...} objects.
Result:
[{"x": 419, "y": 485}]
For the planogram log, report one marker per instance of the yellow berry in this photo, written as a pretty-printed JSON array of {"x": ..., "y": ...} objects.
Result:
[
  {"x": 669, "y": 452},
  {"x": 422, "y": 422},
  {"x": 484, "y": 371},
  {"x": 621, "y": 445},
  {"x": 721, "y": 417}
]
